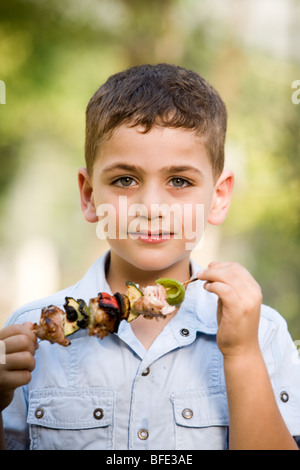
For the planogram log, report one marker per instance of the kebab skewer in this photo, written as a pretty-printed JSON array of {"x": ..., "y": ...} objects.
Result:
[{"x": 103, "y": 314}]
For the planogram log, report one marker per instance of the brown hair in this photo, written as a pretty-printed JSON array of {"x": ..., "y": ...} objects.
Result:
[{"x": 164, "y": 95}]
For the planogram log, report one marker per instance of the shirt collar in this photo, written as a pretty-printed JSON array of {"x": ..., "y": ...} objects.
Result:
[{"x": 205, "y": 303}]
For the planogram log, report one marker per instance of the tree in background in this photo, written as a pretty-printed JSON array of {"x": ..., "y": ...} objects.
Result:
[{"x": 54, "y": 55}]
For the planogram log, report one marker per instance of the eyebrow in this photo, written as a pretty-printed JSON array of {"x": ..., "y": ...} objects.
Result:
[
  {"x": 121, "y": 166},
  {"x": 183, "y": 168},
  {"x": 169, "y": 169}
]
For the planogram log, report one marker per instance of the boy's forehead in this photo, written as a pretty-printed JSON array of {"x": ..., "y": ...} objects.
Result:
[
  {"x": 162, "y": 151},
  {"x": 177, "y": 141}
]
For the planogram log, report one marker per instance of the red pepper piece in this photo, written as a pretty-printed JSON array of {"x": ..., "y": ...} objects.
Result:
[{"x": 109, "y": 303}]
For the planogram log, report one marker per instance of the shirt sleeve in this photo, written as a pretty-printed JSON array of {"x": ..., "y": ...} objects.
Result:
[
  {"x": 283, "y": 363},
  {"x": 14, "y": 416},
  {"x": 14, "y": 422}
]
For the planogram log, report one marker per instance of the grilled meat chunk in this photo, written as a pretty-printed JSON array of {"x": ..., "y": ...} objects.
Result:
[{"x": 51, "y": 326}]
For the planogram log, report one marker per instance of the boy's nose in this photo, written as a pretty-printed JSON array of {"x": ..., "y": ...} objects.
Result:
[{"x": 151, "y": 198}]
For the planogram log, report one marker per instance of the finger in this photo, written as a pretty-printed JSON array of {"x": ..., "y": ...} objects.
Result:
[
  {"x": 219, "y": 311},
  {"x": 19, "y": 343},
  {"x": 218, "y": 265},
  {"x": 14, "y": 330},
  {"x": 20, "y": 361},
  {"x": 224, "y": 291},
  {"x": 233, "y": 266},
  {"x": 14, "y": 379},
  {"x": 31, "y": 334},
  {"x": 214, "y": 273},
  {"x": 214, "y": 265},
  {"x": 28, "y": 326},
  {"x": 229, "y": 273}
]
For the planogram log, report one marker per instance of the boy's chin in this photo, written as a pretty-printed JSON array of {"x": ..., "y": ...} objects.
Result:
[{"x": 152, "y": 259}]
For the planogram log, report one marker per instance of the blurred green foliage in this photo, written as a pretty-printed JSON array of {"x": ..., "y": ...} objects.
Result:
[{"x": 54, "y": 55}]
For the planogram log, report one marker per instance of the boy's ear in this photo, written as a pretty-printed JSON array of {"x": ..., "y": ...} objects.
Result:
[
  {"x": 87, "y": 196},
  {"x": 221, "y": 198}
]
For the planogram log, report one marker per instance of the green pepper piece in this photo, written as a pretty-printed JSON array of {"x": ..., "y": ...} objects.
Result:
[{"x": 175, "y": 290}]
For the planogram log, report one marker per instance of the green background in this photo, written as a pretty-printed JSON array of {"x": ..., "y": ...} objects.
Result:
[{"x": 53, "y": 57}]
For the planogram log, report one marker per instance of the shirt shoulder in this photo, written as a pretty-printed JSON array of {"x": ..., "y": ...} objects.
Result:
[{"x": 272, "y": 326}]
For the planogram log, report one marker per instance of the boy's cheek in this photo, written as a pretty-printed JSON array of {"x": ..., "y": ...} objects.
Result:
[
  {"x": 193, "y": 221},
  {"x": 119, "y": 219}
]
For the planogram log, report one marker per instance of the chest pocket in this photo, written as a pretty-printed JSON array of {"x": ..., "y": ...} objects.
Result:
[
  {"x": 201, "y": 419},
  {"x": 71, "y": 419}
]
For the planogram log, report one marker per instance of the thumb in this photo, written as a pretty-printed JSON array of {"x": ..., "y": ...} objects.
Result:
[{"x": 219, "y": 311}]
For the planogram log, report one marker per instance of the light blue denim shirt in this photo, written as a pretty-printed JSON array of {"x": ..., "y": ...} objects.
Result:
[{"x": 114, "y": 394}]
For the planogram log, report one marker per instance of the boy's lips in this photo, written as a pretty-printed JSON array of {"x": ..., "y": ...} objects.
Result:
[{"x": 152, "y": 237}]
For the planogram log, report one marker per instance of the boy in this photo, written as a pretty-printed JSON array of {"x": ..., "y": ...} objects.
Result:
[{"x": 218, "y": 372}]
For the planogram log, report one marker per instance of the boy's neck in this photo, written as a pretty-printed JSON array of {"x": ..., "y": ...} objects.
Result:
[{"x": 119, "y": 271}]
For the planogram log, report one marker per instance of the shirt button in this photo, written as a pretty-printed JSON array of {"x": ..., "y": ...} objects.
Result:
[
  {"x": 98, "y": 413},
  {"x": 284, "y": 396},
  {"x": 184, "y": 332},
  {"x": 187, "y": 413},
  {"x": 143, "y": 434},
  {"x": 146, "y": 372},
  {"x": 39, "y": 413}
]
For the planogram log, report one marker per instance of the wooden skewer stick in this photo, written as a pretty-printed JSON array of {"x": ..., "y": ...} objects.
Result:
[{"x": 190, "y": 280}]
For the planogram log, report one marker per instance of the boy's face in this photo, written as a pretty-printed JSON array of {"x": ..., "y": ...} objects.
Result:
[{"x": 161, "y": 189}]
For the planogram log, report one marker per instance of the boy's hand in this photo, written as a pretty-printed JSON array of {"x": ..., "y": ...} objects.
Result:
[
  {"x": 20, "y": 344},
  {"x": 239, "y": 304}
]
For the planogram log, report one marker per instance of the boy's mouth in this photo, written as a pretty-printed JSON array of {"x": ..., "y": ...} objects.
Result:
[{"x": 152, "y": 237}]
